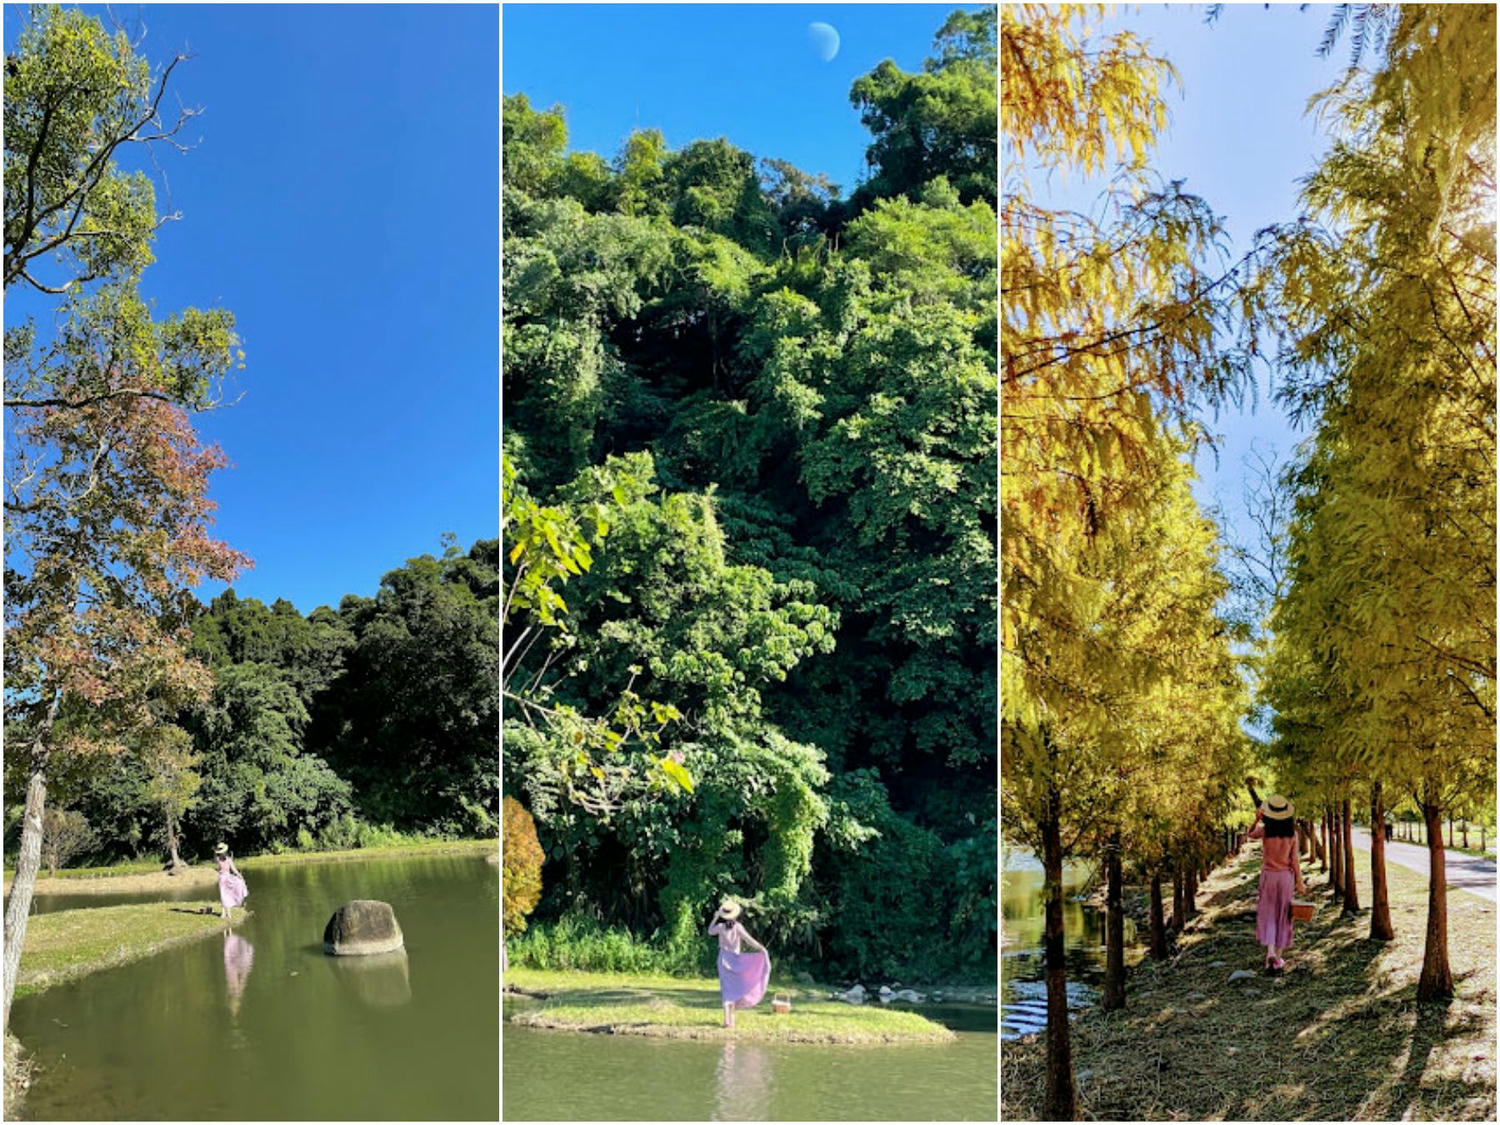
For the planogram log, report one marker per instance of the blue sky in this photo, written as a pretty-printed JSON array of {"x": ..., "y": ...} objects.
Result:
[
  {"x": 342, "y": 202},
  {"x": 1240, "y": 136},
  {"x": 696, "y": 71}
]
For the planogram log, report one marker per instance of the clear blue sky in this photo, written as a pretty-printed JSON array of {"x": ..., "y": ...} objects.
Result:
[
  {"x": 1240, "y": 136},
  {"x": 343, "y": 204},
  {"x": 697, "y": 71}
]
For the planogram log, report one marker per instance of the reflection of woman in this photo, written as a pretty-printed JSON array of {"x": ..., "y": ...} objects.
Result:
[
  {"x": 239, "y": 955},
  {"x": 742, "y": 976},
  {"x": 1280, "y": 874},
  {"x": 232, "y": 889},
  {"x": 743, "y": 1083}
]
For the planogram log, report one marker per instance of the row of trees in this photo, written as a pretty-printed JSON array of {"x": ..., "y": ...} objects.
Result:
[
  {"x": 750, "y": 518},
  {"x": 1120, "y": 693},
  {"x": 1381, "y": 666},
  {"x": 1121, "y": 696}
]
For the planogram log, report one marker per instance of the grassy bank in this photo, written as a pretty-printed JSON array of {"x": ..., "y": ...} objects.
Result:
[
  {"x": 688, "y": 1008},
  {"x": 17, "y": 1076},
  {"x": 1339, "y": 1036},
  {"x": 72, "y": 943},
  {"x": 142, "y": 876}
]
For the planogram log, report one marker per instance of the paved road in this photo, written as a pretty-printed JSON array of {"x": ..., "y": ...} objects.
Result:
[{"x": 1477, "y": 876}]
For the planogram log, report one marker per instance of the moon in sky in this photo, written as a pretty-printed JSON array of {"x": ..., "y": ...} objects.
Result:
[{"x": 825, "y": 40}]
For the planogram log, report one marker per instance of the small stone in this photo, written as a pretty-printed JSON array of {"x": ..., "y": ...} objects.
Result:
[
  {"x": 1249, "y": 992},
  {"x": 1234, "y": 1050},
  {"x": 1217, "y": 964},
  {"x": 1241, "y": 974},
  {"x": 1084, "y": 1076}
]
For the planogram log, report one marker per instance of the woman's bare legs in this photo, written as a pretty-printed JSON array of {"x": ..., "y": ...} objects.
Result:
[{"x": 729, "y": 1015}]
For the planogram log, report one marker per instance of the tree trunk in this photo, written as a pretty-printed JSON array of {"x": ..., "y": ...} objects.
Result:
[
  {"x": 175, "y": 861},
  {"x": 1158, "y": 923},
  {"x": 28, "y": 859},
  {"x": 1323, "y": 851},
  {"x": 1336, "y": 849},
  {"x": 1061, "y": 1101},
  {"x": 1380, "y": 905},
  {"x": 1465, "y": 831},
  {"x": 1177, "y": 918},
  {"x": 1114, "y": 912},
  {"x": 1351, "y": 888},
  {"x": 1436, "y": 981},
  {"x": 1190, "y": 892},
  {"x": 1450, "y": 831}
]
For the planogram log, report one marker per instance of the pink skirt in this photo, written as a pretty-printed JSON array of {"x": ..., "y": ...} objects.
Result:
[
  {"x": 232, "y": 889},
  {"x": 1273, "y": 909},
  {"x": 743, "y": 977}
]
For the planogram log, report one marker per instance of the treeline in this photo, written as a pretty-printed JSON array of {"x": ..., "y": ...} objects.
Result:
[
  {"x": 347, "y": 727},
  {"x": 1126, "y": 668},
  {"x": 750, "y": 528}
]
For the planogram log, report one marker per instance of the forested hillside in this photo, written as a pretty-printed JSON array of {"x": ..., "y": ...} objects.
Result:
[
  {"x": 750, "y": 442},
  {"x": 341, "y": 728}
]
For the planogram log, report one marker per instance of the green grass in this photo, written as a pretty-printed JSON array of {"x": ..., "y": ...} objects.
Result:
[
  {"x": 392, "y": 851},
  {"x": 583, "y": 945},
  {"x": 656, "y": 1004},
  {"x": 67, "y": 944},
  {"x": 1338, "y": 1037}
]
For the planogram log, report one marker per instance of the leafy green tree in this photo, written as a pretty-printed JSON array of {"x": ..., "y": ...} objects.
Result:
[{"x": 106, "y": 499}]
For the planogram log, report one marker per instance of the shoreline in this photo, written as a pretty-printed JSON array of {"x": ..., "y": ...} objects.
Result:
[
  {"x": 133, "y": 880},
  {"x": 67, "y": 944},
  {"x": 688, "y": 1008}
]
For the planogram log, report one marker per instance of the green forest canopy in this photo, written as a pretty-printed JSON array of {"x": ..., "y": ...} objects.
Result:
[
  {"x": 778, "y": 405},
  {"x": 333, "y": 729}
]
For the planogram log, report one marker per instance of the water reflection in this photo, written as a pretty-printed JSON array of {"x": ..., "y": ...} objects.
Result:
[
  {"x": 239, "y": 956},
  {"x": 742, "y": 1087},
  {"x": 380, "y": 980}
]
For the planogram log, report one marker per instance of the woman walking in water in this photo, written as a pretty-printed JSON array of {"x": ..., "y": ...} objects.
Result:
[
  {"x": 232, "y": 889},
  {"x": 1280, "y": 872},
  {"x": 743, "y": 977}
]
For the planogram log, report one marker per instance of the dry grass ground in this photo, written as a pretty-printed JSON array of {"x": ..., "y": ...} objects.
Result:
[
  {"x": 17, "y": 1077},
  {"x": 1338, "y": 1037}
]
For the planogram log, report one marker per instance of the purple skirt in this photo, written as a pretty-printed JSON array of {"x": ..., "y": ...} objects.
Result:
[
  {"x": 743, "y": 977},
  {"x": 1273, "y": 909},
  {"x": 232, "y": 889}
]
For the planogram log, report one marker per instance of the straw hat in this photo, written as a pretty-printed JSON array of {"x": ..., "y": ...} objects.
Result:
[
  {"x": 730, "y": 909},
  {"x": 1276, "y": 807},
  {"x": 221, "y": 849}
]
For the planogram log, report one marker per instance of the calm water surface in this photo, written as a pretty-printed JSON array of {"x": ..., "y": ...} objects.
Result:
[
  {"x": 1023, "y": 993},
  {"x": 634, "y": 1078},
  {"x": 260, "y": 1024}
]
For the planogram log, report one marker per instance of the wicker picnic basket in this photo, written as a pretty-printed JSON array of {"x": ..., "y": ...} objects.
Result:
[
  {"x": 1302, "y": 910},
  {"x": 781, "y": 1003}
]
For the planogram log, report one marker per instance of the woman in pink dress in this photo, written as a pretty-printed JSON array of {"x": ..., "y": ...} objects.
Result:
[
  {"x": 1280, "y": 874},
  {"x": 743, "y": 977},
  {"x": 232, "y": 889}
]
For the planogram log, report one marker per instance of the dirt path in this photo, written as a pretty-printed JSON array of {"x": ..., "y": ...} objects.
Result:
[{"x": 1468, "y": 872}]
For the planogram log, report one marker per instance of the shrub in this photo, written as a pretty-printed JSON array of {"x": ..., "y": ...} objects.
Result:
[
  {"x": 581, "y": 944},
  {"x": 65, "y": 834},
  {"x": 521, "y": 866}
]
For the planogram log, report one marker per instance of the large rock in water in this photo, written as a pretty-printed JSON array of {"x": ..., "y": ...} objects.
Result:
[{"x": 362, "y": 926}]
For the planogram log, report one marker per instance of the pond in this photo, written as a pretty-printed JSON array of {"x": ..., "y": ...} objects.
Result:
[
  {"x": 1023, "y": 991},
  {"x": 630, "y": 1078},
  {"x": 259, "y": 1024}
]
